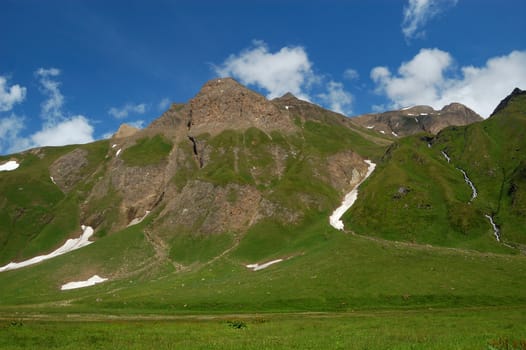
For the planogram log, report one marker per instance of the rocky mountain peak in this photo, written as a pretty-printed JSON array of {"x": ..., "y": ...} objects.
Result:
[
  {"x": 125, "y": 130},
  {"x": 225, "y": 104}
]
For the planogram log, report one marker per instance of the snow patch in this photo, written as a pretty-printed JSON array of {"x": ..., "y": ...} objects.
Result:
[
  {"x": 383, "y": 132},
  {"x": 118, "y": 152},
  {"x": 446, "y": 156},
  {"x": 424, "y": 113},
  {"x": 394, "y": 134},
  {"x": 411, "y": 114},
  {"x": 370, "y": 127},
  {"x": 287, "y": 108},
  {"x": 428, "y": 145},
  {"x": 468, "y": 181},
  {"x": 70, "y": 245},
  {"x": 81, "y": 284},
  {"x": 9, "y": 166},
  {"x": 139, "y": 220},
  {"x": 416, "y": 119},
  {"x": 335, "y": 219},
  {"x": 114, "y": 145},
  {"x": 496, "y": 230},
  {"x": 257, "y": 267}
]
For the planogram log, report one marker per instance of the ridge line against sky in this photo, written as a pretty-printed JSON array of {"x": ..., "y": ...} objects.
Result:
[{"x": 75, "y": 70}]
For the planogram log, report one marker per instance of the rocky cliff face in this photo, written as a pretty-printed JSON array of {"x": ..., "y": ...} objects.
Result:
[{"x": 418, "y": 119}]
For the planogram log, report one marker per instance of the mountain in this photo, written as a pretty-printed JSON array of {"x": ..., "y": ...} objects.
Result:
[
  {"x": 423, "y": 185},
  {"x": 222, "y": 205},
  {"x": 413, "y": 120},
  {"x": 224, "y": 162}
]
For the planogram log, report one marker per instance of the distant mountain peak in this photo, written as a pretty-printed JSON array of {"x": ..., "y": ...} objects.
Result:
[{"x": 417, "y": 119}]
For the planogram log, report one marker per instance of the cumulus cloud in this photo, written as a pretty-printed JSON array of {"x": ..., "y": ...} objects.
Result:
[
  {"x": 57, "y": 128},
  {"x": 127, "y": 109},
  {"x": 351, "y": 74},
  {"x": 336, "y": 98},
  {"x": 418, "y": 12},
  {"x": 76, "y": 129},
  {"x": 286, "y": 70},
  {"x": 430, "y": 78},
  {"x": 10, "y": 95},
  {"x": 163, "y": 104},
  {"x": 51, "y": 108},
  {"x": 139, "y": 124}
]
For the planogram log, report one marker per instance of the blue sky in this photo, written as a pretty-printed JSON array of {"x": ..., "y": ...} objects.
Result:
[{"x": 72, "y": 71}]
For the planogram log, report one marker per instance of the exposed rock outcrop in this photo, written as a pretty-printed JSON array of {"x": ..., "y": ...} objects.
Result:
[{"x": 417, "y": 119}]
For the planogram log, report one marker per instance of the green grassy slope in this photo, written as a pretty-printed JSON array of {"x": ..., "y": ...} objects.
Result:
[
  {"x": 423, "y": 198},
  {"x": 35, "y": 216}
]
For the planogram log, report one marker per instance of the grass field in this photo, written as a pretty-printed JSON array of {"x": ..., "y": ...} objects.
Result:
[{"x": 485, "y": 328}]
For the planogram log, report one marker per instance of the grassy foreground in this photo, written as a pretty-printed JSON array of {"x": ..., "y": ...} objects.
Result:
[{"x": 484, "y": 328}]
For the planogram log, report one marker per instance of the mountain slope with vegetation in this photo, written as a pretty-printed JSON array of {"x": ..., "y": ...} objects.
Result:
[{"x": 425, "y": 197}]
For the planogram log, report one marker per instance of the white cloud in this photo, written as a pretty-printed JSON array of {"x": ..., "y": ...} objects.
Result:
[
  {"x": 51, "y": 108},
  {"x": 337, "y": 98},
  {"x": 139, "y": 124},
  {"x": 424, "y": 80},
  {"x": 57, "y": 129},
  {"x": 287, "y": 70},
  {"x": 418, "y": 12},
  {"x": 10, "y": 127},
  {"x": 129, "y": 108},
  {"x": 163, "y": 104},
  {"x": 351, "y": 74},
  {"x": 76, "y": 129},
  {"x": 10, "y": 95}
]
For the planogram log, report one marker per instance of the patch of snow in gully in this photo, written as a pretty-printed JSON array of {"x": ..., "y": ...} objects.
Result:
[
  {"x": 446, "y": 156},
  {"x": 257, "y": 267},
  {"x": 496, "y": 230},
  {"x": 81, "y": 284},
  {"x": 118, "y": 152},
  {"x": 348, "y": 201},
  {"x": 9, "y": 166},
  {"x": 70, "y": 245},
  {"x": 468, "y": 181}
]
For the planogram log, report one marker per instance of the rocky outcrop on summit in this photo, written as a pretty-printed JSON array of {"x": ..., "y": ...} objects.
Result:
[
  {"x": 417, "y": 119},
  {"x": 125, "y": 130},
  {"x": 224, "y": 104}
]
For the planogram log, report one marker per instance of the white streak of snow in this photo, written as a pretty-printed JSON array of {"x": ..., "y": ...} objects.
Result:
[
  {"x": 70, "y": 245},
  {"x": 114, "y": 145},
  {"x": 428, "y": 145},
  {"x": 424, "y": 113},
  {"x": 496, "y": 230},
  {"x": 52, "y": 180},
  {"x": 446, "y": 156},
  {"x": 468, "y": 181},
  {"x": 138, "y": 220},
  {"x": 394, "y": 134},
  {"x": 118, "y": 152},
  {"x": 383, "y": 132},
  {"x": 257, "y": 267},
  {"x": 81, "y": 284},
  {"x": 370, "y": 127},
  {"x": 416, "y": 119},
  {"x": 287, "y": 108},
  {"x": 335, "y": 219},
  {"x": 9, "y": 166}
]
